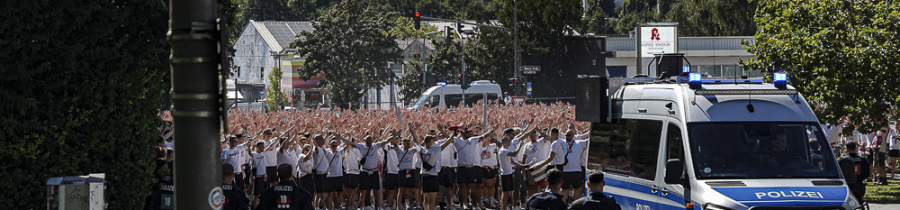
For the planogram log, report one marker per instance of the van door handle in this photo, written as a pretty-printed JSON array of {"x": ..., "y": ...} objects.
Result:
[
  {"x": 665, "y": 192},
  {"x": 654, "y": 189}
]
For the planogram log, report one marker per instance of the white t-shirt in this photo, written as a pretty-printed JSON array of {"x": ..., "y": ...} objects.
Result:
[
  {"x": 532, "y": 151},
  {"x": 894, "y": 139},
  {"x": 270, "y": 154},
  {"x": 576, "y": 156},
  {"x": 335, "y": 163},
  {"x": 259, "y": 162},
  {"x": 169, "y": 144},
  {"x": 506, "y": 167},
  {"x": 488, "y": 155},
  {"x": 545, "y": 150},
  {"x": 409, "y": 157},
  {"x": 514, "y": 146},
  {"x": 371, "y": 156},
  {"x": 559, "y": 147},
  {"x": 433, "y": 157},
  {"x": 447, "y": 158},
  {"x": 321, "y": 157},
  {"x": 232, "y": 156},
  {"x": 305, "y": 167},
  {"x": 466, "y": 151},
  {"x": 288, "y": 157},
  {"x": 392, "y": 159},
  {"x": 351, "y": 160}
]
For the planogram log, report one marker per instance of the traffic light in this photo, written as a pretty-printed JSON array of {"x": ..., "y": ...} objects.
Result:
[
  {"x": 513, "y": 82},
  {"x": 418, "y": 21}
]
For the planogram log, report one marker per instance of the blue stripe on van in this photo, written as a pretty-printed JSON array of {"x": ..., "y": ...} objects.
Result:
[{"x": 786, "y": 196}]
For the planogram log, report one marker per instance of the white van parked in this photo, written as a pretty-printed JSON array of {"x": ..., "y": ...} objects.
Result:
[
  {"x": 715, "y": 144},
  {"x": 444, "y": 95}
]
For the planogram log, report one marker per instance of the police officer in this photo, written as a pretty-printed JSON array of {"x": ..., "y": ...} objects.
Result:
[
  {"x": 234, "y": 198},
  {"x": 163, "y": 197},
  {"x": 549, "y": 199},
  {"x": 855, "y": 170},
  {"x": 596, "y": 200},
  {"x": 285, "y": 195}
]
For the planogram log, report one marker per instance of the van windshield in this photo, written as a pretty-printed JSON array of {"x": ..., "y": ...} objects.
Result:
[
  {"x": 427, "y": 101},
  {"x": 760, "y": 150}
]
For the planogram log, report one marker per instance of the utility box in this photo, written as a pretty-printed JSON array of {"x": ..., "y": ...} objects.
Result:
[{"x": 77, "y": 192}]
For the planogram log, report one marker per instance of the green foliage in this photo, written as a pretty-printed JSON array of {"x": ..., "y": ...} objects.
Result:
[
  {"x": 714, "y": 17},
  {"x": 841, "y": 54},
  {"x": 81, "y": 82},
  {"x": 635, "y": 12},
  {"x": 351, "y": 45},
  {"x": 543, "y": 26},
  {"x": 411, "y": 86},
  {"x": 491, "y": 54},
  {"x": 598, "y": 17},
  {"x": 275, "y": 97}
]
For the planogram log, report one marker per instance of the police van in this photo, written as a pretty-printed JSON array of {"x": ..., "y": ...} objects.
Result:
[
  {"x": 448, "y": 95},
  {"x": 689, "y": 142}
]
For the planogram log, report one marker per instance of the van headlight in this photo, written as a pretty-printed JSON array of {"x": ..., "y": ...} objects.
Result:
[{"x": 715, "y": 207}]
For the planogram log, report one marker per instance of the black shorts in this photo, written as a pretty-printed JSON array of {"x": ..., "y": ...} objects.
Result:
[
  {"x": 517, "y": 178},
  {"x": 573, "y": 180},
  {"x": 506, "y": 183},
  {"x": 390, "y": 181},
  {"x": 894, "y": 153},
  {"x": 260, "y": 185},
  {"x": 247, "y": 170},
  {"x": 430, "y": 184},
  {"x": 351, "y": 181},
  {"x": 334, "y": 184},
  {"x": 447, "y": 176},
  {"x": 476, "y": 174},
  {"x": 271, "y": 174},
  {"x": 406, "y": 178},
  {"x": 418, "y": 177},
  {"x": 320, "y": 183},
  {"x": 490, "y": 173},
  {"x": 239, "y": 180},
  {"x": 308, "y": 183},
  {"x": 369, "y": 181}
]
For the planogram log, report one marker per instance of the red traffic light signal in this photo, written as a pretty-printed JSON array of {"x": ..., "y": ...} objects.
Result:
[
  {"x": 516, "y": 81},
  {"x": 417, "y": 14}
]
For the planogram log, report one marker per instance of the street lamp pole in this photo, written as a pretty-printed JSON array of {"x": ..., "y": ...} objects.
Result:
[{"x": 515, "y": 44}]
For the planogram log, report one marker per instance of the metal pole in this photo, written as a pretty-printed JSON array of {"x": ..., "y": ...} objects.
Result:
[
  {"x": 484, "y": 103},
  {"x": 637, "y": 50},
  {"x": 196, "y": 108},
  {"x": 515, "y": 45}
]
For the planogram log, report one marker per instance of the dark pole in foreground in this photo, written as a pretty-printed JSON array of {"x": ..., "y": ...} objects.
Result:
[{"x": 195, "y": 98}]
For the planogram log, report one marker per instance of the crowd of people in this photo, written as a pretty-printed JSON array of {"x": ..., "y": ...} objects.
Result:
[
  {"x": 407, "y": 159},
  {"x": 867, "y": 157}
]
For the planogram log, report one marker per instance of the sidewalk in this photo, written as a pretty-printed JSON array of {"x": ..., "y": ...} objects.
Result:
[{"x": 873, "y": 206}]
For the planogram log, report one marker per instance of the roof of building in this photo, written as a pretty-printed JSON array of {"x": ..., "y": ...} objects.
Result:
[{"x": 280, "y": 34}]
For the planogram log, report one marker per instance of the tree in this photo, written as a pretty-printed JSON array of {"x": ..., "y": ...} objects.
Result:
[
  {"x": 638, "y": 11},
  {"x": 81, "y": 82},
  {"x": 352, "y": 46},
  {"x": 597, "y": 19},
  {"x": 714, "y": 17},
  {"x": 491, "y": 54},
  {"x": 841, "y": 55},
  {"x": 275, "y": 97}
]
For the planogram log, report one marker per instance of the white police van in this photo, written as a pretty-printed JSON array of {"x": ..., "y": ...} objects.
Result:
[
  {"x": 448, "y": 95},
  {"x": 695, "y": 143}
]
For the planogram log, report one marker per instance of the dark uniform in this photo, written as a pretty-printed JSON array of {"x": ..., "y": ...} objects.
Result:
[
  {"x": 163, "y": 197},
  {"x": 596, "y": 200},
  {"x": 285, "y": 195},
  {"x": 235, "y": 198},
  {"x": 547, "y": 200},
  {"x": 855, "y": 170}
]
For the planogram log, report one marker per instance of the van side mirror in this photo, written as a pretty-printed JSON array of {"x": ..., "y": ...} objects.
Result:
[{"x": 674, "y": 171}]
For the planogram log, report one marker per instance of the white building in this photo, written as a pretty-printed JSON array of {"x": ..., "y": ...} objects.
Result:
[{"x": 715, "y": 56}]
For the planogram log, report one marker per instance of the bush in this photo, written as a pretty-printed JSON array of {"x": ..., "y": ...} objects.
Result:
[{"x": 81, "y": 82}]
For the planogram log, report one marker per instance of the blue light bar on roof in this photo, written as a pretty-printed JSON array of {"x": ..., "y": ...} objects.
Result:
[
  {"x": 694, "y": 81},
  {"x": 442, "y": 84},
  {"x": 780, "y": 80}
]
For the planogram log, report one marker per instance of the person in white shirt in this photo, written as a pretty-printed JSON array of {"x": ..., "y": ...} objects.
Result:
[
  {"x": 431, "y": 165},
  {"x": 408, "y": 173},
  {"x": 489, "y": 164},
  {"x": 259, "y": 170},
  {"x": 351, "y": 174},
  {"x": 368, "y": 179},
  {"x": 306, "y": 169},
  {"x": 469, "y": 170},
  {"x": 532, "y": 159},
  {"x": 447, "y": 175},
  {"x": 334, "y": 181},
  {"x": 232, "y": 155},
  {"x": 321, "y": 160},
  {"x": 573, "y": 172},
  {"x": 507, "y": 161},
  {"x": 894, "y": 152},
  {"x": 391, "y": 169},
  {"x": 271, "y": 156}
]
